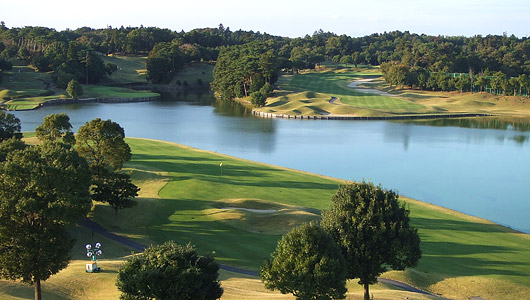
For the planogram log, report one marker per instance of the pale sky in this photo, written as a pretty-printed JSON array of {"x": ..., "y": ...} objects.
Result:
[{"x": 285, "y": 18}]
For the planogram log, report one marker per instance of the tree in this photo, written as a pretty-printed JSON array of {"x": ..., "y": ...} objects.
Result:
[
  {"x": 56, "y": 127},
  {"x": 74, "y": 89},
  {"x": 372, "y": 229},
  {"x": 9, "y": 126},
  {"x": 316, "y": 271},
  {"x": 102, "y": 144},
  {"x": 42, "y": 189},
  {"x": 170, "y": 271},
  {"x": 9, "y": 146},
  {"x": 117, "y": 190},
  {"x": 258, "y": 98}
]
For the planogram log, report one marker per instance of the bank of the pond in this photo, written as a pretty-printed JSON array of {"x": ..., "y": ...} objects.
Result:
[
  {"x": 87, "y": 100},
  {"x": 371, "y": 118}
]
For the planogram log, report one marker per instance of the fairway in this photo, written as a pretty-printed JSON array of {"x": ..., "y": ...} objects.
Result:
[
  {"x": 239, "y": 213},
  {"x": 458, "y": 251},
  {"x": 334, "y": 84}
]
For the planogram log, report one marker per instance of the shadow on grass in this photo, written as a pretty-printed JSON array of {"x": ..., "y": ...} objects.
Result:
[
  {"x": 454, "y": 225},
  {"x": 277, "y": 103},
  {"x": 452, "y": 248}
]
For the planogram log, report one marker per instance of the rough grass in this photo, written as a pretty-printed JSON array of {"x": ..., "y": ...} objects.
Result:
[{"x": 463, "y": 256}]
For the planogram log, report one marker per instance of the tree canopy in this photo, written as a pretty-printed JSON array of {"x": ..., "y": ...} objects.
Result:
[
  {"x": 102, "y": 144},
  {"x": 372, "y": 229},
  {"x": 307, "y": 264},
  {"x": 9, "y": 126},
  {"x": 74, "y": 89},
  {"x": 170, "y": 271},
  {"x": 56, "y": 127},
  {"x": 42, "y": 188}
]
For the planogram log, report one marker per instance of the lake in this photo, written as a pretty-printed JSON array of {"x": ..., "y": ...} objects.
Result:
[{"x": 477, "y": 166}]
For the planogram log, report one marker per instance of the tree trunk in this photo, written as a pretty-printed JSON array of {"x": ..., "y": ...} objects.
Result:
[
  {"x": 115, "y": 217},
  {"x": 38, "y": 295},
  {"x": 366, "y": 291}
]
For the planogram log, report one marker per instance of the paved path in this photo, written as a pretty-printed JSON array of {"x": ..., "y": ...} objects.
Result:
[{"x": 129, "y": 243}]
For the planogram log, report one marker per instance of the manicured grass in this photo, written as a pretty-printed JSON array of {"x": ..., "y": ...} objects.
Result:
[
  {"x": 334, "y": 84},
  {"x": 457, "y": 102},
  {"x": 192, "y": 72},
  {"x": 455, "y": 247},
  {"x": 131, "y": 69},
  {"x": 331, "y": 81},
  {"x": 183, "y": 195},
  {"x": 89, "y": 91},
  {"x": 23, "y": 81},
  {"x": 99, "y": 91}
]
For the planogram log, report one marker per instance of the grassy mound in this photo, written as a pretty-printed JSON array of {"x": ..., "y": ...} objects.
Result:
[{"x": 259, "y": 216}]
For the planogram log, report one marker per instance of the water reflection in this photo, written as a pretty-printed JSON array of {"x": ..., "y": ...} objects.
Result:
[{"x": 503, "y": 123}]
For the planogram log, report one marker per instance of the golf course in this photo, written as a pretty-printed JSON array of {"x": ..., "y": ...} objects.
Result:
[
  {"x": 362, "y": 92},
  {"x": 238, "y": 211}
]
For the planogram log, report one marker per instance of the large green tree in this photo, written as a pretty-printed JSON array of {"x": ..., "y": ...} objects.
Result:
[
  {"x": 74, "y": 89},
  {"x": 117, "y": 190},
  {"x": 307, "y": 264},
  {"x": 42, "y": 189},
  {"x": 102, "y": 144},
  {"x": 9, "y": 126},
  {"x": 170, "y": 271},
  {"x": 56, "y": 127},
  {"x": 372, "y": 229}
]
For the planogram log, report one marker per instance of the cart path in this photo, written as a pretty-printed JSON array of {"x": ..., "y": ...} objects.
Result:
[{"x": 86, "y": 222}]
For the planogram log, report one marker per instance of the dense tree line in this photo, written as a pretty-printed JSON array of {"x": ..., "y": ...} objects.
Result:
[
  {"x": 73, "y": 53},
  {"x": 494, "y": 82},
  {"x": 246, "y": 69}
]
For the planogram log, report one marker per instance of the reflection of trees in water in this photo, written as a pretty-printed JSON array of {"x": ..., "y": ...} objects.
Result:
[
  {"x": 231, "y": 108},
  {"x": 520, "y": 139},
  {"x": 515, "y": 124},
  {"x": 193, "y": 98}
]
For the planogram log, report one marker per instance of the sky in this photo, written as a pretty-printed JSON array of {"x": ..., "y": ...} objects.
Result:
[{"x": 281, "y": 17}]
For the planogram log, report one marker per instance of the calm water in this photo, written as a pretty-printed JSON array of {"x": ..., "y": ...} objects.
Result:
[{"x": 479, "y": 168}]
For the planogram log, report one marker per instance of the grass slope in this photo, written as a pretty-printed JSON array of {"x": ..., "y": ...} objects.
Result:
[
  {"x": 184, "y": 198},
  {"x": 131, "y": 69}
]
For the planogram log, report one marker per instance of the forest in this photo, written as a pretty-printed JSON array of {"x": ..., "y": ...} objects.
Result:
[{"x": 246, "y": 60}]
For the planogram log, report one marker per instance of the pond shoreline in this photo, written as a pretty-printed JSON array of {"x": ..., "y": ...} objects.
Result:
[
  {"x": 90, "y": 100},
  {"x": 342, "y": 117}
]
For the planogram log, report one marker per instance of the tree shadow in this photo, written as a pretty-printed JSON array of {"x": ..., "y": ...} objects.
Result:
[{"x": 452, "y": 225}]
